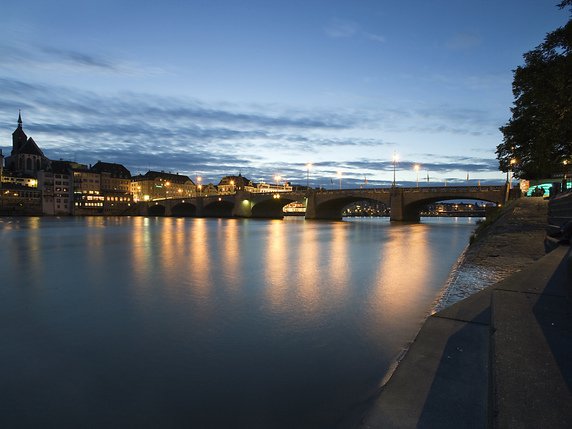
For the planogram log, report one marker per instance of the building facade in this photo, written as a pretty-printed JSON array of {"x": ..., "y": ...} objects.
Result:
[
  {"x": 115, "y": 187},
  {"x": 158, "y": 185},
  {"x": 57, "y": 188},
  {"x": 232, "y": 184}
]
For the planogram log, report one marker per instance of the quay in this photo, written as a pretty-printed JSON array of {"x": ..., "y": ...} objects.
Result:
[{"x": 501, "y": 358}]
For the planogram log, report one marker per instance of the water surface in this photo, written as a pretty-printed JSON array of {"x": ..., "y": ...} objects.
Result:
[{"x": 173, "y": 322}]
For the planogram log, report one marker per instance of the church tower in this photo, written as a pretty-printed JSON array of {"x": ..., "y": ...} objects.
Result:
[
  {"x": 19, "y": 137},
  {"x": 26, "y": 157}
]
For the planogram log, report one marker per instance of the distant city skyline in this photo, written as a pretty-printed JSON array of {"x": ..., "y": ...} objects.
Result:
[{"x": 264, "y": 88}]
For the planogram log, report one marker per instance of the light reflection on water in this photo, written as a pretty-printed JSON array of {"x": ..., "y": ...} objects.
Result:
[{"x": 209, "y": 322}]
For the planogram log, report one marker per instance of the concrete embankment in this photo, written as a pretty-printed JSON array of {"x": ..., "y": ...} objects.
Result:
[{"x": 502, "y": 357}]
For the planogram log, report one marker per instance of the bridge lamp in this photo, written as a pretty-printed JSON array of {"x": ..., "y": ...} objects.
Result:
[
  {"x": 416, "y": 167},
  {"x": 199, "y": 187},
  {"x": 308, "y": 167},
  {"x": 339, "y": 174}
]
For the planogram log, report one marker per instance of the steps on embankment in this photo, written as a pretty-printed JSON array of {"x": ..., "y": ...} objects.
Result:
[{"x": 531, "y": 345}]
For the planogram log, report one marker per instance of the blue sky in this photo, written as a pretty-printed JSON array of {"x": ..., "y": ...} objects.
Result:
[{"x": 259, "y": 87}]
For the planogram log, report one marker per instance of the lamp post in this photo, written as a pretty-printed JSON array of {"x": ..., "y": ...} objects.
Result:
[
  {"x": 512, "y": 162},
  {"x": 339, "y": 174},
  {"x": 416, "y": 168},
  {"x": 308, "y": 167},
  {"x": 199, "y": 186},
  {"x": 394, "y": 164}
]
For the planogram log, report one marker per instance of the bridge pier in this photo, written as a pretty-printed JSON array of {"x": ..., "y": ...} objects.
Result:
[
  {"x": 242, "y": 205},
  {"x": 311, "y": 205},
  {"x": 398, "y": 209}
]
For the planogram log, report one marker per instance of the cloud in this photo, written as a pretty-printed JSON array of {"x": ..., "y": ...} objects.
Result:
[
  {"x": 463, "y": 42},
  {"x": 18, "y": 56},
  {"x": 145, "y": 131},
  {"x": 375, "y": 37},
  {"x": 339, "y": 28},
  {"x": 343, "y": 29},
  {"x": 80, "y": 58}
]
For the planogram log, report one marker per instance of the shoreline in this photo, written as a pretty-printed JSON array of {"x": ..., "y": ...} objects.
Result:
[{"x": 512, "y": 241}]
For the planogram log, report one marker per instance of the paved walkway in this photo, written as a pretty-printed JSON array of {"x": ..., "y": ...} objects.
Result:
[{"x": 501, "y": 358}]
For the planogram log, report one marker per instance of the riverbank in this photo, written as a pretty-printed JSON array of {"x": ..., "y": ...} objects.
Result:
[
  {"x": 499, "y": 358},
  {"x": 506, "y": 246}
]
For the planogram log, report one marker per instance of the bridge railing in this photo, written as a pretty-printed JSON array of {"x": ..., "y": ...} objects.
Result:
[
  {"x": 359, "y": 190},
  {"x": 454, "y": 188},
  {"x": 428, "y": 189}
]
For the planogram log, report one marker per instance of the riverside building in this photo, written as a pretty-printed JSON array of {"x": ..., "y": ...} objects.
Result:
[{"x": 158, "y": 185}]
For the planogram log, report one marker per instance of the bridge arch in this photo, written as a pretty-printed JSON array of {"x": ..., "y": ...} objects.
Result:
[
  {"x": 332, "y": 207},
  {"x": 184, "y": 209},
  {"x": 218, "y": 208},
  {"x": 411, "y": 210},
  {"x": 156, "y": 210},
  {"x": 271, "y": 207}
]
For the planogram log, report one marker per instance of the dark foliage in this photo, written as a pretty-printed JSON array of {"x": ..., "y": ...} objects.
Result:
[{"x": 538, "y": 137}]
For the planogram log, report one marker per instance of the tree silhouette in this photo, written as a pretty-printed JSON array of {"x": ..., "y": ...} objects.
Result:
[{"x": 538, "y": 137}]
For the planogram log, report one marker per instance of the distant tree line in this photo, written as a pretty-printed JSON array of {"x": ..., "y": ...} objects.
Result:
[{"x": 537, "y": 140}]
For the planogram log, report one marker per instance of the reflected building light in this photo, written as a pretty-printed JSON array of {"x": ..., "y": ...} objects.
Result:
[
  {"x": 232, "y": 260},
  {"x": 275, "y": 265},
  {"x": 309, "y": 272},
  {"x": 400, "y": 283},
  {"x": 199, "y": 268}
]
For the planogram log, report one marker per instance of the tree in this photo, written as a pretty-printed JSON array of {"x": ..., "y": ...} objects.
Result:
[{"x": 538, "y": 137}]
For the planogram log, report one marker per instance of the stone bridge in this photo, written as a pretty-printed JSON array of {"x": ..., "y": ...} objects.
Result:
[
  {"x": 405, "y": 203},
  {"x": 240, "y": 204}
]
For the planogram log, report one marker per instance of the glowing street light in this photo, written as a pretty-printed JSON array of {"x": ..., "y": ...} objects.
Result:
[
  {"x": 512, "y": 162},
  {"x": 200, "y": 186},
  {"x": 339, "y": 174},
  {"x": 308, "y": 167},
  {"x": 277, "y": 179},
  {"x": 416, "y": 167}
]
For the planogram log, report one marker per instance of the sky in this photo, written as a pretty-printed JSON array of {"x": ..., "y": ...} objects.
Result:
[{"x": 264, "y": 87}]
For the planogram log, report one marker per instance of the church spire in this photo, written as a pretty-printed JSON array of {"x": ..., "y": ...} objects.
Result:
[{"x": 19, "y": 118}]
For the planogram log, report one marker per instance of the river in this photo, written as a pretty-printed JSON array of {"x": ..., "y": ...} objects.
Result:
[{"x": 180, "y": 322}]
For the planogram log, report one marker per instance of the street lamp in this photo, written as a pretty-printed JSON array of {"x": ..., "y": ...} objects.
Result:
[
  {"x": 339, "y": 174},
  {"x": 416, "y": 168},
  {"x": 395, "y": 158},
  {"x": 512, "y": 162},
  {"x": 277, "y": 179},
  {"x": 308, "y": 167},
  {"x": 200, "y": 186}
]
